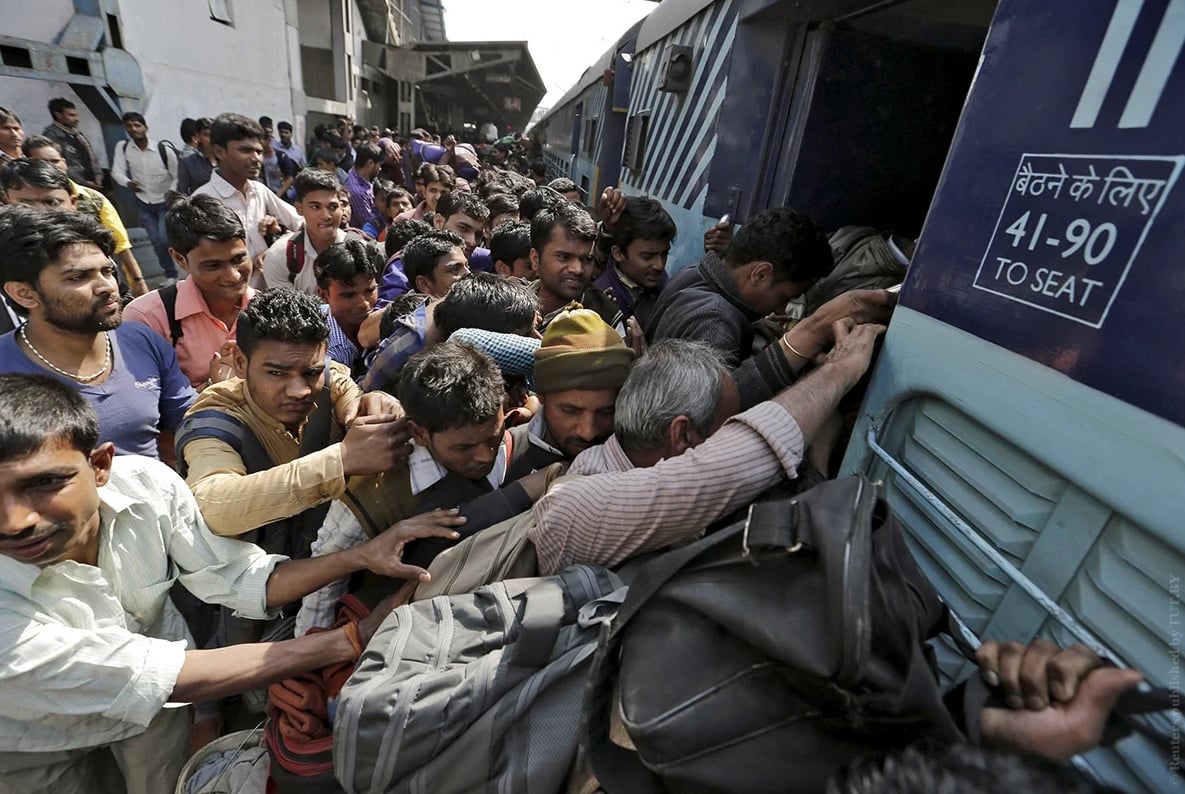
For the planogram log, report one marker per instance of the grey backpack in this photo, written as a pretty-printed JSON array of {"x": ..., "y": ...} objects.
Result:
[{"x": 475, "y": 693}]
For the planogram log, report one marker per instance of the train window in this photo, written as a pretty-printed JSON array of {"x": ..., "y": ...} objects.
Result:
[
  {"x": 590, "y": 137},
  {"x": 634, "y": 153}
]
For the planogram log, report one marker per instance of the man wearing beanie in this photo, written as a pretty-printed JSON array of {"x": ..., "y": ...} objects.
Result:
[{"x": 579, "y": 368}]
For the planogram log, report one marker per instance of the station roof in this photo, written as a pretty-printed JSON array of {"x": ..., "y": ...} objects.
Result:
[{"x": 497, "y": 78}]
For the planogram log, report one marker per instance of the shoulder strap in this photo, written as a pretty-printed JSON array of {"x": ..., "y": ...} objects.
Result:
[
  {"x": 316, "y": 431},
  {"x": 123, "y": 150},
  {"x": 212, "y": 423},
  {"x": 168, "y": 296},
  {"x": 295, "y": 254}
]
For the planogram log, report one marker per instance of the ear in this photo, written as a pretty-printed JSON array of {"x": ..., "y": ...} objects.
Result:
[
  {"x": 762, "y": 273},
  {"x": 534, "y": 260},
  {"x": 22, "y": 294},
  {"x": 617, "y": 253},
  {"x": 323, "y": 294},
  {"x": 437, "y": 221},
  {"x": 424, "y": 285},
  {"x": 239, "y": 362},
  {"x": 73, "y": 201},
  {"x": 418, "y": 433},
  {"x": 101, "y": 458},
  {"x": 503, "y": 269},
  {"x": 179, "y": 259}
]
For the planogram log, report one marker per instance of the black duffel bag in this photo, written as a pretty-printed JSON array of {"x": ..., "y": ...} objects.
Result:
[{"x": 769, "y": 654}]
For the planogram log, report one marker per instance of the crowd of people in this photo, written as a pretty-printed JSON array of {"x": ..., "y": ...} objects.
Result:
[{"x": 363, "y": 351}]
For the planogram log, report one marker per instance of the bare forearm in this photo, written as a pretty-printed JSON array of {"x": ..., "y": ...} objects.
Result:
[
  {"x": 814, "y": 398},
  {"x": 295, "y": 579},
  {"x": 217, "y": 673}
]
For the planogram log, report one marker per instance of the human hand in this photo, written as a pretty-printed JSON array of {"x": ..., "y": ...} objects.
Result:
[
  {"x": 852, "y": 351},
  {"x": 370, "y": 624},
  {"x": 1058, "y": 699},
  {"x": 524, "y": 412},
  {"x": 610, "y": 207},
  {"x": 383, "y": 555},
  {"x": 719, "y": 237},
  {"x": 860, "y": 305},
  {"x": 375, "y": 444},
  {"x": 138, "y": 286},
  {"x": 449, "y": 142},
  {"x": 134, "y": 186},
  {"x": 269, "y": 225},
  {"x": 368, "y": 332},
  {"x": 222, "y": 363},
  {"x": 635, "y": 337},
  {"x": 373, "y": 403}
]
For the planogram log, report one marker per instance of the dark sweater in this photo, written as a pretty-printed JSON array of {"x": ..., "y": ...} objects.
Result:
[{"x": 702, "y": 303}]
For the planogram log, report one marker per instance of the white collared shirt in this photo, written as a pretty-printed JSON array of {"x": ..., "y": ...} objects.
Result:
[
  {"x": 426, "y": 472},
  {"x": 275, "y": 264},
  {"x": 89, "y": 654},
  {"x": 537, "y": 428},
  {"x": 145, "y": 167},
  {"x": 252, "y": 205}
]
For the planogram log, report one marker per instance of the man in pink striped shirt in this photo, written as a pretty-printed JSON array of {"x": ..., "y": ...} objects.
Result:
[{"x": 676, "y": 462}]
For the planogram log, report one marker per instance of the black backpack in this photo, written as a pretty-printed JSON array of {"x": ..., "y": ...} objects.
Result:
[{"x": 771, "y": 653}]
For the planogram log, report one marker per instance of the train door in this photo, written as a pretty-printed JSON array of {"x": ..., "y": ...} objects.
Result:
[{"x": 1026, "y": 414}]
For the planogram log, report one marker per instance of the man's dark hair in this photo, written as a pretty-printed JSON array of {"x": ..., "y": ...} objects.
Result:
[
  {"x": 202, "y": 124},
  {"x": 437, "y": 173},
  {"x": 7, "y": 115},
  {"x": 450, "y": 385},
  {"x": 563, "y": 185},
  {"x": 283, "y": 125},
  {"x": 961, "y": 769},
  {"x": 510, "y": 241},
  {"x": 488, "y": 302},
  {"x": 310, "y": 180},
  {"x": 193, "y": 219},
  {"x": 281, "y": 315},
  {"x": 455, "y": 201},
  {"x": 788, "y": 239},
  {"x": 265, "y": 121},
  {"x": 400, "y": 233},
  {"x": 35, "y": 142},
  {"x": 367, "y": 153},
  {"x": 132, "y": 115},
  {"x": 230, "y": 127},
  {"x": 188, "y": 129},
  {"x": 59, "y": 104},
  {"x": 536, "y": 199},
  {"x": 36, "y": 410},
  {"x": 345, "y": 261},
  {"x": 334, "y": 140},
  {"x": 501, "y": 203},
  {"x": 643, "y": 219},
  {"x": 30, "y": 241},
  {"x": 24, "y": 172},
  {"x": 324, "y": 156},
  {"x": 573, "y": 218},
  {"x": 421, "y": 255},
  {"x": 398, "y": 192}
]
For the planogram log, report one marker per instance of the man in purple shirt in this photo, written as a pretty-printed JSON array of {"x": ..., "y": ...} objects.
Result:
[{"x": 368, "y": 160}]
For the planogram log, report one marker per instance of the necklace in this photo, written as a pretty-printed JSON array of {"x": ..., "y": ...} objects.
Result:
[{"x": 59, "y": 370}]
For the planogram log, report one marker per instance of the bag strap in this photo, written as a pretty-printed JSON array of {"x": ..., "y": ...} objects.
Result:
[
  {"x": 212, "y": 423},
  {"x": 168, "y": 296},
  {"x": 295, "y": 255},
  {"x": 315, "y": 436}
]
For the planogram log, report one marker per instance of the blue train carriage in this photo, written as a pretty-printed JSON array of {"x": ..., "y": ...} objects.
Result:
[
  {"x": 582, "y": 135},
  {"x": 1027, "y": 413}
]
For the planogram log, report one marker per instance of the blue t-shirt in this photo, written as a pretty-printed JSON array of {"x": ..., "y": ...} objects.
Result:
[{"x": 145, "y": 393}]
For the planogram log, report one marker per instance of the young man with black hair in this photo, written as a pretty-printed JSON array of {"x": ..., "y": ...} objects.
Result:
[
  {"x": 435, "y": 261},
  {"x": 461, "y": 214},
  {"x": 510, "y": 248},
  {"x": 346, "y": 282},
  {"x": 503, "y": 208},
  {"x": 637, "y": 268},
  {"x": 287, "y": 145},
  {"x": 11, "y": 135},
  {"x": 149, "y": 170},
  {"x": 80, "y": 156},
  {"x": 480, "y": 300},
  {"x": 95, "y": 660},
  {"x": 281, "y": 375},
  {"x": 562, "y": 239},
  {"x": 368, "y": 161},
  {"x": 776, "y": 256},
  {"x": 532, "y": 201},
  {"x": 437, "y": 180},
  {"x": 196, "y": 168},
  {"x": 198, "y": 315},
  {"x": 289, "y": 261},
  {"x": 57, "y": 273},
  {"x": 566, "y": 188},
  {"x": 95, "y": 204},
  {"x": 237, "y": 143}
]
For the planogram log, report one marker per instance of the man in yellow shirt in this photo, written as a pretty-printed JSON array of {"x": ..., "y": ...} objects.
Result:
[{"x": 95, "y": 204}]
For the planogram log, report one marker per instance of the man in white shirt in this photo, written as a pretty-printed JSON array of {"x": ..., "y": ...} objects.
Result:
[
  {"x": 289, "y": 262},
  {"x": 237, "y": 142},
  {"x": 148, "y": 169},
  {"x": 94, "y": 664}
]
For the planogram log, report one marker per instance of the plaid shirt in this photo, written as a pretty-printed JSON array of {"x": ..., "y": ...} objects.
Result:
[
  {"x": 341, "y": 349},
  {"x": 394, "y": 351}
]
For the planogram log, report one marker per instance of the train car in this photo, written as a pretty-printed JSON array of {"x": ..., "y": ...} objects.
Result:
[
  {"x": 1025, "y": 415},
  {"x": 583, "y": 134}
]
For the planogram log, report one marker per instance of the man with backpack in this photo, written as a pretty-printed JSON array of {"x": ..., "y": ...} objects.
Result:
[
  {"x": 198, "y": 315},
  {"x": 289, "y": 261},
  {"x": 149, "y": 169}
]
